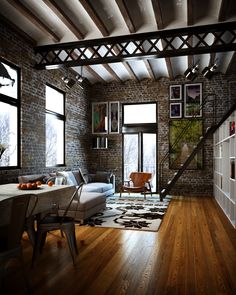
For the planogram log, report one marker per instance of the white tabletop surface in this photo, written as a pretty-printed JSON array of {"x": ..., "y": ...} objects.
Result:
[{"x": 47, "y": 195}]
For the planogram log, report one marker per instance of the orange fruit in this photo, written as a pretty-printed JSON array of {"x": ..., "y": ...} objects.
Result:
[
  {"x": 50, "y": 183},
  {"x": 38, "y": 183},
  {"x": 34, "y": 185},
  {"x": 29, "y": 185},
  {"x": 19, "y": 185},
  {"x": 23, "y": 186}
]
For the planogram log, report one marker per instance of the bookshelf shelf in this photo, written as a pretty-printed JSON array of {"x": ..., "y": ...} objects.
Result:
[{"x": 224, "y": 167}]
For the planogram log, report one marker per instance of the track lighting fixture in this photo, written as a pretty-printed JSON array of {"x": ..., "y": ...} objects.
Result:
[
  {"x": 191, "y": 73},
  {"x": 208, "y": 72},
  {"x": 69, "y": 82}
]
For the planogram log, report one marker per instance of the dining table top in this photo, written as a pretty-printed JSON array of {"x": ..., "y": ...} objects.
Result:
[{"x": 47, "y": 196}]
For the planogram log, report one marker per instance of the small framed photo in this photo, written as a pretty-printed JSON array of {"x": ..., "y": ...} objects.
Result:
[
  {"x": 114, "y": 121},
  {"x": 193, "y": 100},
  {"x": 99, "y": 117},
  {"x": 176, "y": 110},
  {"x": 175, "y": 92}
]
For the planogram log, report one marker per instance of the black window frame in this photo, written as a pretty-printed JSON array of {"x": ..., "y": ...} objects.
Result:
[
  {"x": 59, "y": 117},
  {"x": 16, "y": 102}
]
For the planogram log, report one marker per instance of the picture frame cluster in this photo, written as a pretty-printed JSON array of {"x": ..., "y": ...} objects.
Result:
[
  {"x": 105, "y": 117},
  {"x": 185, "y": 101}
]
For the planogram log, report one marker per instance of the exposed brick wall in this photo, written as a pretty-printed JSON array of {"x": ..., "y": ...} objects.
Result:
[
  {"x": 79, "y": 152},
  {"x": 78, "y": 136},
  {"x": 198, "y": 182}
]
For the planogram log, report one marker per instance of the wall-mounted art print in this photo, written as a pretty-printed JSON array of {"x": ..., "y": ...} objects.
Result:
[
  {"x": 182, "y": 146},
  {"x": 175, "y": 92},
  {"x": 176, "y": 110},
  {"x": 114, "y": 117},
  {"x": 193, "y": 100},
  {"x": 99, "y": 117}
]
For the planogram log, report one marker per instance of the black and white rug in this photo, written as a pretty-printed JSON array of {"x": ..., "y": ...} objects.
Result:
[{"x": 131, "y": 212}]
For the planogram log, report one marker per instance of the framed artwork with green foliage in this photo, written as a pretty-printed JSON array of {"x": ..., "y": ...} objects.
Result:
[{"x": 184, "y": 136}]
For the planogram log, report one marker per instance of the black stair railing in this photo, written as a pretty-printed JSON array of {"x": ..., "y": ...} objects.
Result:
[
  {"x": 162, "y": 190},
  {"x": 209, "y": 131}
]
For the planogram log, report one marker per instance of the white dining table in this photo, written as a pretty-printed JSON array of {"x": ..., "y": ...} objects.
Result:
[{"x": 48, "y": 197}]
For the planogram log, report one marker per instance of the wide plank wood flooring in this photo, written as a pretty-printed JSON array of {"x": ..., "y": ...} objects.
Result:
[{"x": 193, "y": 253}]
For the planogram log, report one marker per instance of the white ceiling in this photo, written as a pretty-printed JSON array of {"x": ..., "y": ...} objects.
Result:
[{"x": 58, "y": 21}]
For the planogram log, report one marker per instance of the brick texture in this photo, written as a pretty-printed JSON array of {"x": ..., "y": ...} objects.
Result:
[{"x": 79, "y": 152}]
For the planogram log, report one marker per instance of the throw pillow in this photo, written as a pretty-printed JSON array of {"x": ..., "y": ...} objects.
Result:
[{"x": 102, "y": 177}]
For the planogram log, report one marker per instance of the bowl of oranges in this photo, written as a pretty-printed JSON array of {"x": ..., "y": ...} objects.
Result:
[{"x": 29, "y": 185}]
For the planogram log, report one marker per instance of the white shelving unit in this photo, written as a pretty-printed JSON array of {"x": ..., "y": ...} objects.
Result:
[{"x": 224, "y": 167}]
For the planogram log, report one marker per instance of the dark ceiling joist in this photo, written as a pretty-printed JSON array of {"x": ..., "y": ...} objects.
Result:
[
  {"x": 211, "y": 38},
  {"x": 160, "y": 25},
  {"x": 32, "y": 17}
]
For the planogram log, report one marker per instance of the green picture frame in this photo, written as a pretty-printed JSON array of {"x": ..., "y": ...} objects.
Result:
[
  {"x": 99, "y": 118},
  {"x": 186, "y": 143}
]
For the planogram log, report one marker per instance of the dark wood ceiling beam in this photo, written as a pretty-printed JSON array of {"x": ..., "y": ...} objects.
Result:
[
  {"x": 24, "y": 35},
  {"x": 95, "y": 74},
  {"x": 102, "y": 28},
  {"x": 130, "y": 25},
  {"x": 64, "y": 18},
  {"x": 34, "y": 19},
  {"x": 160, "y": 25},
  {"x": 94, "y": 16},
  {"x": 126, "y": 16},
  {"x": 52, "y": 54},
  {"x": 224, "y": 7},
  {"x": 190, "y": 22},
  {"x": 72, "y": 27}
]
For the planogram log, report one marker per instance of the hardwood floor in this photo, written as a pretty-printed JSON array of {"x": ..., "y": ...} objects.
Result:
[{"x": 194, "y": 252}]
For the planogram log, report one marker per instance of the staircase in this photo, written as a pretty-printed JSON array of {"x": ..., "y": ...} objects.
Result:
[{"x": 164, "y": 191}]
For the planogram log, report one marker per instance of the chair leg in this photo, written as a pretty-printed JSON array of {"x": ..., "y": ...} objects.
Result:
[{"x": 71, "y": 239}]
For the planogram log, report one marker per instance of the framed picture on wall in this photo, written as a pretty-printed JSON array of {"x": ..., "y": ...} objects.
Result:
[
  {"x": 193, "y": 100},
  {"x": 175, "y": 92},
  {"x": 176, "y": 110},
  {"x": 114, "y": 117},
  {"x": 182, "y": 146},
  {"x": 99, "y": 117}
]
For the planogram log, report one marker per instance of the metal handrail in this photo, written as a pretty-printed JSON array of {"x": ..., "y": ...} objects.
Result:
[{"x": 184, "y": 130}]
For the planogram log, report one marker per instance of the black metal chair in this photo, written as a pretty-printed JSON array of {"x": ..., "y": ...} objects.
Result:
[
  {"x": 63, "y": 223},
  {"x": 13, "y": 212}
]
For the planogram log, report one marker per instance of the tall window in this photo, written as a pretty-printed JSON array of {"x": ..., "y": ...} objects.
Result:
[
  {"x": 55, "y": 127},
  {"x": 139, "y": 128},
  {"x": 9, "y": 115}
]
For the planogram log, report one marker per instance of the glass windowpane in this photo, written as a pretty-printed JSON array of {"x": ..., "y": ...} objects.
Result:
[
  {"x": 8, "y": 135},
  {"x": 140, "y": 113},
  {"x": 54, "y": 141},
  {"x": 54, "y": 100}
]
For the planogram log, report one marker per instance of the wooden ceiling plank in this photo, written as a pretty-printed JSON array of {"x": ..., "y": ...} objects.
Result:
[
  {"x": 64, "y": 18},
  {"x": 130, "y": 25},
  {"x": 190, "y": 22},
  {"x": 23, "y": 34},
  {"x": 126, "y": 16},
  {"x": 224, "y": 7},
  {"x": 91, "y": 12},
  {"x": 94, "y": 16},
  {"x": 112, "y": 72},
  {"x": 95, "y": 74},
  {"x": 34, "y": 19},
  {"x": 160, "y": 25},
  {"x": 231, "y": 64},
  {"x": 158, "y": 14},
  {"x": 130, "y": 71},
  {"x": 149, "y": 69}
]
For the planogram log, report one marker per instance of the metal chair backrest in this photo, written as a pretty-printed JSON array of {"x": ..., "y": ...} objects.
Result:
[
  {"x": 76, "y": 195},
  {"x": 13, "y": 212}
]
